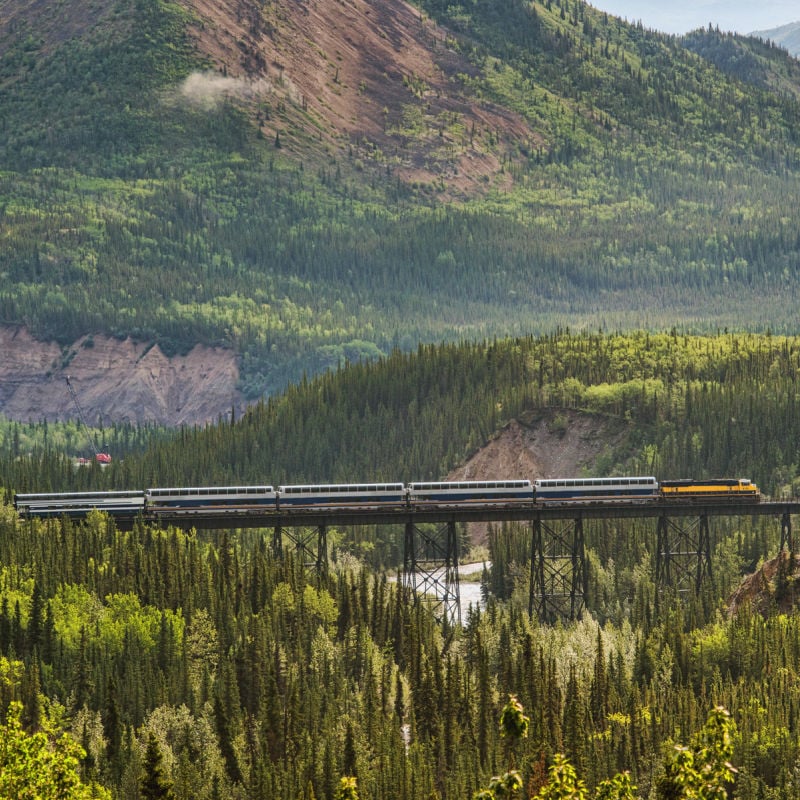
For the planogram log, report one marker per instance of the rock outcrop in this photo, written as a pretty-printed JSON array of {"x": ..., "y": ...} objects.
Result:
[{"x": 115, "y": 381}]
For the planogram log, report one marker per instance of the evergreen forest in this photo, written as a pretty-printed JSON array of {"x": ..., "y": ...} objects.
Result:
[{"x": 207, "y": 664}]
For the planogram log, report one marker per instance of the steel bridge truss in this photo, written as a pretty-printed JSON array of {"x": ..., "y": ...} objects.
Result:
[
  {"x": 683, "y": 553},
  {"x": 787, "y": 539},
  {"x": 559, "y": 581},
  {"x": 430, "y": 562},
  {"x": 558, "y": 567},
  {"x": 430, "y": 569},
  {"x": 310, "y": 544}
]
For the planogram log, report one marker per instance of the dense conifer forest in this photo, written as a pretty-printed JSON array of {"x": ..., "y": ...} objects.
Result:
[
  {"x": 694, "y": 406},
  {"x": 209, "y": 661}
]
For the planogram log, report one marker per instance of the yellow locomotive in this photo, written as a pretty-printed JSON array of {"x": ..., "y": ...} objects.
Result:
[{"x": 710, "y": 489}]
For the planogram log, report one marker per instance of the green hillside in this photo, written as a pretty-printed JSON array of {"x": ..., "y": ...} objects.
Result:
[
  {"x": 687, "y": 406},
  {"x": 694, "y": 407},
  {"x": 647, "y": 188}
]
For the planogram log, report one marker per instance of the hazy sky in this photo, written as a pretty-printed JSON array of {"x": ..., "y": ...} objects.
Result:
[{"x": 680, "y": 16}]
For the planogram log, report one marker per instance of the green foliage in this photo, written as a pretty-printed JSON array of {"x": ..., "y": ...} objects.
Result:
[
  {"x": 702, "y": 771},
  {"x": 513, "y": 722},
  {"x": 506, "y": 785},
  {"x": 563, "y": 782},
  {"x": 41, "y": 765},
  {"x": 619, "y": 787},
  {"x": 155, "y": 784},
  {"x": 347, "y": 789}
]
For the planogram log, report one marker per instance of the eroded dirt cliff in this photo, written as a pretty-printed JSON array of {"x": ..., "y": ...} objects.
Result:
[
  {"x": 547, "y": 444},
  {"x": 552, "y": 443},
  {"x": 115, "y": 381}
]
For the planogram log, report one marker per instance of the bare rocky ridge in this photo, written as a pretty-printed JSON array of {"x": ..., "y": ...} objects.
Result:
[
  {"x": 376, "y": 79},
  {"x": 558, "y": 443},
  {"x": 774, "y": 588},
  {"x": 115, "y": 381}
]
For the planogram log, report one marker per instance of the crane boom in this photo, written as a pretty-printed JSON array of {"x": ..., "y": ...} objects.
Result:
[{"x": 99, "y": 456}]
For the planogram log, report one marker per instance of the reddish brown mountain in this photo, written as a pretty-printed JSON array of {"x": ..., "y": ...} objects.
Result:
[{"x": 375, "y": 79}]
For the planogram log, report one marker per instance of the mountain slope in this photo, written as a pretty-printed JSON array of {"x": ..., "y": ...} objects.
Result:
[
  {"x": 329, "y": 74},
  {"x": 308, "y": 183},
  {"x": 786, "y": 36},
  {"x": 755, "y": 60}
]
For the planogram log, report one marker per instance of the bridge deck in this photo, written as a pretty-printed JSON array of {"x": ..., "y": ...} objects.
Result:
[{"x": 487, "y": 513}]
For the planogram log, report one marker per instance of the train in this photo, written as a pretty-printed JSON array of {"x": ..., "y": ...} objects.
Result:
[{"x": 174, "y": 502}]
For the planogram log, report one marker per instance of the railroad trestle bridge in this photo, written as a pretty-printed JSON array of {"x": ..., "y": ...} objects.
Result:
[{"x": 558, "y": 572}]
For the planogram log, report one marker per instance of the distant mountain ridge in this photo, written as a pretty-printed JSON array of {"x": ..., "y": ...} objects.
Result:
[
  {"x": 314, "y": 182},
  {"x": 787, "y": 36}
]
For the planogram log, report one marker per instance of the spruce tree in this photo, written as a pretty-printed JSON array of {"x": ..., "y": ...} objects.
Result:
[{"x": 155, "y": 785}]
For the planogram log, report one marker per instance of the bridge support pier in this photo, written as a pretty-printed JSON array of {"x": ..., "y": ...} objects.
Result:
[
  {"x": 683, "y": 553},
  {"x": 430, "y": 569},
  {"x": 559, "y": 581},
  {"x": 310, "y": 545},
  {"x": 787, "y": 540}
]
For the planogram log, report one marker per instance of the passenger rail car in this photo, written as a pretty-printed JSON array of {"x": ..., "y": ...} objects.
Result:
[
  {"x": 127, "y": 504},
  {"x": 210, "y": 499},
  {"x": 360, "y": 496},
  {"x": 158, "y": 503},
  {"x": 595, "y": 490},
  {"x": 711, "y": 489},
  {"x": 448, "y": 493}
]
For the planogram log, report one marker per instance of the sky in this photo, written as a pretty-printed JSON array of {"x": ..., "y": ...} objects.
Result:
[{"x": 681, "y": 16}]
